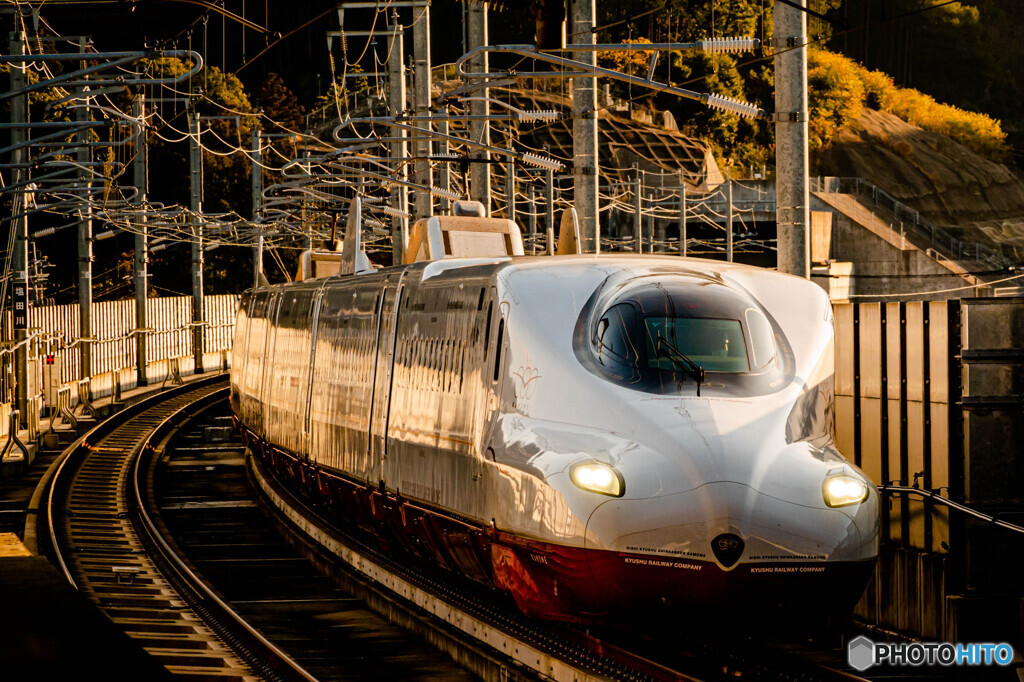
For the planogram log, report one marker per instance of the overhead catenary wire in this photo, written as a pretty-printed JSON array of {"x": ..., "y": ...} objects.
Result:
[{"x": 223, "y": 147}]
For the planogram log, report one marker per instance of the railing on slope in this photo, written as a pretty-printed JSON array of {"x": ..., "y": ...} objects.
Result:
[{"x": 911, "y": 221}]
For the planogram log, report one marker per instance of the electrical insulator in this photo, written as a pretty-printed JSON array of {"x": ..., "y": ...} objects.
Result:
[
  {"x": 541, "y": 161},
  {"x": 728, "y": 45},
  {"x": 394, "y": 212},
  {"x": 538, "y": 115},
  {"x": 444, "y": 193},
  {"x": 734, "y": 106}
]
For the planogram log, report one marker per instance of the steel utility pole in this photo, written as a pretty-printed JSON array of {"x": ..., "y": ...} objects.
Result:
[
  {"x": 19, "y": 134},
  {"x": 257, "y": 204},
  {"x": 195, "y": 175},
  {"x": 729, "y": 218},
  {"x": 444, "y": 178},
  {"x": 479, "y": 130},
  {"x": 510, "y": 189},
  {"x": 682, "y": 217},
  {"x": 584, "y": 130},
  {"x": 140, "y": 170},
  {"x": 531, "y": 220},
  {"x": 638, "y": 217},
  {"x": 650, "y": 222},
  {"x": 549, "y": 200},
  {"x": 421, "y": 84},
  {"x": 399, "y": 148},
  {"x": 85, "y": 258},
  {"x": 791, "y": 168}
]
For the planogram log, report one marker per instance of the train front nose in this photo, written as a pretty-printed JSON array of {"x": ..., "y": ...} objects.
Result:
[{"x": 727, "y": 543}]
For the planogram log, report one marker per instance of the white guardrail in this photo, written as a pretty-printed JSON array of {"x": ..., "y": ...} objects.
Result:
[{"x": 54, "y": 379}]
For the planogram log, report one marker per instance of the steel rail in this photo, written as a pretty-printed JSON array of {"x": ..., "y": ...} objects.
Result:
[
  {"x": 171, "y": 556},
  {"x": 117, "y": 59},
  {"x": 583, "y": 70},
  {"x": 53, "y": 479},
  {"x": 133, "y": 455}
]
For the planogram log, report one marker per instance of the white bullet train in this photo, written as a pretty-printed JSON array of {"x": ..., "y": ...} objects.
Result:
[{"x": 592, "y": 434}]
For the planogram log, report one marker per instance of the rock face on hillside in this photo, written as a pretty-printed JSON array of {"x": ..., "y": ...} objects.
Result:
[{"x": 949, "y": 184}]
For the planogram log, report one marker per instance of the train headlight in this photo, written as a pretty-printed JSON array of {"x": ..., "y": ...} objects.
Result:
[
  {"x": 597, "y": 477},
  {"x": 842, "y": 490}
]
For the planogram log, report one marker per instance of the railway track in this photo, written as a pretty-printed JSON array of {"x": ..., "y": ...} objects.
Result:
[
  {"x": 150, "y": 516},
  {"x": 210, "y": 516},
  {"x": 102, "y": 538},
  {"x": 143, "y": 513}
]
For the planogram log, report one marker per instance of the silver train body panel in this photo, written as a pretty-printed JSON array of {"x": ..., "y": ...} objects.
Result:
[{"x": 474, "y": 387}]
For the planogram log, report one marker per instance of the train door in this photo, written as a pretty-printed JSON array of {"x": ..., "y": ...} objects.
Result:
[
  {"x": 494, "y": 365},
  {"x": 238, "y": 360},
  {"x": 267, "y": 378},
  {"x": 255, "y": 347},
  {"x": 387, "y": 323},
  {"x": 314, "y": 335}
]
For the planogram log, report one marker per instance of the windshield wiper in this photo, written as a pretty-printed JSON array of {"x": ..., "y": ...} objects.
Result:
[{"x": 667, "y": 349}]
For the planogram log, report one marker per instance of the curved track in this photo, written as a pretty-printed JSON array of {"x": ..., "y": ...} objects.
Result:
[
  {"x": 105, "y": 542},
  {"x": 114, "y": 550}
]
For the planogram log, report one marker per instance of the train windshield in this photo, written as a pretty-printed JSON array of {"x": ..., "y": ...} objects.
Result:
[
  {"x": 714, "y": 345},
  {"x": 656, "y": 334}
]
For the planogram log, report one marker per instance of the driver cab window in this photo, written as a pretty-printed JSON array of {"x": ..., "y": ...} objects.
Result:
[
  {"x": 616, "y": 334},
  {"x": 762, "y": 338},
  {"x": 714, "y": 344}
]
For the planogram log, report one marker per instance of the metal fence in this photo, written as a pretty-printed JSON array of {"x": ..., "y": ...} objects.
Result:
[
  {"x": 54, "y": 333},
  {"x": 910, "y": 220},
  {"x": 929, "y": 397}
]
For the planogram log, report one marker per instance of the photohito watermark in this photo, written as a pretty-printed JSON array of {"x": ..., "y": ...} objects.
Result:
[{"x": 862, "y": 653}]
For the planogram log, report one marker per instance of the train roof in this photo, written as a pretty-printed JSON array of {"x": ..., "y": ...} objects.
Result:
[{"x": 449, "y": 268}]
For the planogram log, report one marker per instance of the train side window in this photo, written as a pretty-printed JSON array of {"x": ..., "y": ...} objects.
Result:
[
  {"x": 487, "y": 325},
  {"x": 497, "y": 349},
  {"x": 461, "y": 362},
  {"x": 449, "y": 365}
]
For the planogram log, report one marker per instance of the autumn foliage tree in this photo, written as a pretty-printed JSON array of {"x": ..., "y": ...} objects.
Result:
[
  {"x": 226, "y": 173},
  {"x": 279, "y": 104}
]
